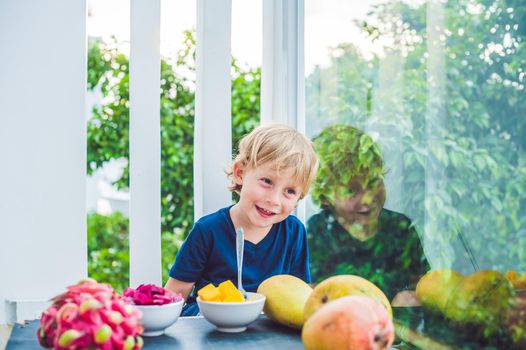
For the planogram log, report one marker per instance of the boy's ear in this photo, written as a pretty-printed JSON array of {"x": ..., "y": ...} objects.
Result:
[{"x": 238, "y": 171}]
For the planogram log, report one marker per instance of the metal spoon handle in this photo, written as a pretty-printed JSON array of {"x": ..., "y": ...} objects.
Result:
[{"x": 240, "y": 245}]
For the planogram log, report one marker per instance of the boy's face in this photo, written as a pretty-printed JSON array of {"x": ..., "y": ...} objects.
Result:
[
  {"x": 363, "y": 207},
  {"x": 267, "y": 197}
]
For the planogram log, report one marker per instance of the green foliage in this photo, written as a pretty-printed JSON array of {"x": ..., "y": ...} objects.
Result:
[
  {"x": 108, "y": 132},
  {"x": 345, "y": 153},
  {"x": 109, "y": 260},
  {"x": 245, "y": 101},
  {"x": 451, "y": 109}
]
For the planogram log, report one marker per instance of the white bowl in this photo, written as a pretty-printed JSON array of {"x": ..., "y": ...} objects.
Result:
[
  {"x": 232, "y": 317},
  {"x": 156, "y": 318}
]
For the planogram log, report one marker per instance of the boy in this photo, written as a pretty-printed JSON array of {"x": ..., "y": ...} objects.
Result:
[
  {"x": 353, "y": 233},
  {"x": 272, "y": 172}
]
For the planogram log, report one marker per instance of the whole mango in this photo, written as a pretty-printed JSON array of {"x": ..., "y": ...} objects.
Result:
[
  {"x": 343, "y": 285},
  {"x": 436, "y": 287},
  {"x": 286, "y": 296},
  {"x": 349, "y": 323},
  {"x": 482, "y": 299}
]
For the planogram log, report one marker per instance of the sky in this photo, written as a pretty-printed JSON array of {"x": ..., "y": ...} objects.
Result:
[
  {"x": 112, "y": 17},
  {"x": 327, "y": 23}
]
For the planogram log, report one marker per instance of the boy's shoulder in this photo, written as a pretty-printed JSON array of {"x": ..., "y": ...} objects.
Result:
[
  {"x": 293, "y": 220},
  {"x": 391, "y": 218},
  {"x": 293, "y": 225},
  {"x": 322, "y": 218},
  {"x": 218, "y": 217}
]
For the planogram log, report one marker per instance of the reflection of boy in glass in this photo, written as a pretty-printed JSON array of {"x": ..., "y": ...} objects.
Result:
[{"x": 353, "y": 233}]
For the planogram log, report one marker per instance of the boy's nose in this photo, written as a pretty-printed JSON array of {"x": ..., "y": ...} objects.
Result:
[{"x": 273, "y": 197}]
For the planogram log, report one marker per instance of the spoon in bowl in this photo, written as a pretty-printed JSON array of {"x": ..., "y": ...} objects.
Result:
[{"x": 240, "y": 246}]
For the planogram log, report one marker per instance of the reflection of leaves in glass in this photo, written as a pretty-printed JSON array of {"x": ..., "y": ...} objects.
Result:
[
  {"x": 346, "y": 154},
  {"x": 393, "y": 258},
  {"x": 378, "y": 277},
  {"x": 356, "y": 229}
]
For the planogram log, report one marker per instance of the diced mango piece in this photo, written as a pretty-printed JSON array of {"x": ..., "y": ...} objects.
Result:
[
  {"x": 229, "y": 292},
  {"x": 225, "y": 292},
  {"x": 234, "y": 298},
  {"x": 209, "y": 293}
]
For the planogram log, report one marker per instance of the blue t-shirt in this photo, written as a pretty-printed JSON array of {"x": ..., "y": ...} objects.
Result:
[{"x": 208, "y": 255}]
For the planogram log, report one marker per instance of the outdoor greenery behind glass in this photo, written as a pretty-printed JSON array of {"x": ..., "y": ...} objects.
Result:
[
  {"x": 446, "y": 102},
  {"x": 108, "y": 139}
]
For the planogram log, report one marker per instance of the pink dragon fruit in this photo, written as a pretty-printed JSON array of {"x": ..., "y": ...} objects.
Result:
[
  {"x": 90, "y": 315},
  {"x": 150, "y": 294}
]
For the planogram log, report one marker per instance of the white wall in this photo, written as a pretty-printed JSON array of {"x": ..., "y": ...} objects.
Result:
[{"x": 42, "y": 147}]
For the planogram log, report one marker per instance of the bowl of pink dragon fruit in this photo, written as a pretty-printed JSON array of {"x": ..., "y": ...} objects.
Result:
[
  {"x": 90, "y": 315},
  {"x": 160, "y": 308}
]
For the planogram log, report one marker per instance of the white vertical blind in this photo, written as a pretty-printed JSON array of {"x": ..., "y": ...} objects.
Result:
[
  {"x": 213, "y": 131},
  {"x": 282, "y": 71},
  {"x": 42, "y": 149},
  {"x": 145, "y": 143}
]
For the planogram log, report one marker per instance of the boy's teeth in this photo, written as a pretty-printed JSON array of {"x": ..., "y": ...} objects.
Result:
[{"x": 266, "y": 211}]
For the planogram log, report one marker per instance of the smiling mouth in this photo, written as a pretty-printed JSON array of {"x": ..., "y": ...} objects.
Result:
[
  {"x": 264, "y": 212},
  {"x": 363, "y": 212},
  {"x": 366, "y": 210}
]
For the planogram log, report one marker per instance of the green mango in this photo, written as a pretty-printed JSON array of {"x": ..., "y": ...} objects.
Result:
[{"x": 482, "y": 298}]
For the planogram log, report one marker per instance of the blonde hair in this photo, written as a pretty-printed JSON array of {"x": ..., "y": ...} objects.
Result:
[{"x": 281, "y": 145}]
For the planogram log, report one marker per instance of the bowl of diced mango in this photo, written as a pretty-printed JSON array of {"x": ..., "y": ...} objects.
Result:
[{"x": 226, "y": 308}]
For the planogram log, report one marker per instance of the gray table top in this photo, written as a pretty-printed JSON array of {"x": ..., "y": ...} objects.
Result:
[{"x": 192, "y": 333}]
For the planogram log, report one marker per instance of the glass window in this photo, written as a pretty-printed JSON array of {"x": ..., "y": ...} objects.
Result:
[{"x": 417, "y": 111}]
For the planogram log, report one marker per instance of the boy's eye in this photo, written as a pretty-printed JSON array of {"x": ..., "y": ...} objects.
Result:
[
  {"x": 291, "y": 191},
  {"x": 266, "y": 180}
]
